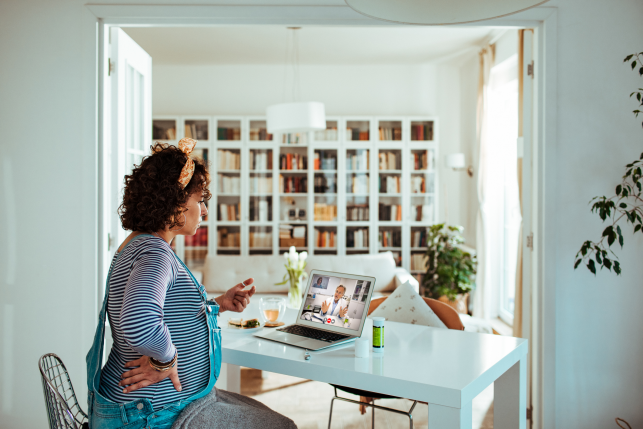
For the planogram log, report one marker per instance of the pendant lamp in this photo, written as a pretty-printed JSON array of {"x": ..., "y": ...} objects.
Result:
[
  {"x": 296, "y": 116},
  {"x": 439, "y": 12}
]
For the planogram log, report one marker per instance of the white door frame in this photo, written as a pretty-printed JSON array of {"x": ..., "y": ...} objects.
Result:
[{"x": 544, "y": 21}]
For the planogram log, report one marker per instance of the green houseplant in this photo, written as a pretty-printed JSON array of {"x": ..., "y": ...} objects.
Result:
[
  {"x": 450, "y": 271},
  {"x": 626, "y": 204}
]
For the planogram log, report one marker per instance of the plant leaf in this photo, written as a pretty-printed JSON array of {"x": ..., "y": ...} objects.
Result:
[
  {"x": 617, "y": 268},
  {"x": 578, "y": 261},
  {"x": 591, "y": 266}
]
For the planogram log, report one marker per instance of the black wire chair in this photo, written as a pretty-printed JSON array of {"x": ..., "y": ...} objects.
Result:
[{"x": 63, "y": 410}]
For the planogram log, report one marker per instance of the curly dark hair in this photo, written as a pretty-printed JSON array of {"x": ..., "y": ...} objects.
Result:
[{"x": 153, "y": 196}]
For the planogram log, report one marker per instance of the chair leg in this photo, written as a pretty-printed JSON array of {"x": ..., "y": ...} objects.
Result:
[
  {"x": 411, "y": 415},
  {"x": 373, "y": 416},
  {"x": 330, "y": 416}
]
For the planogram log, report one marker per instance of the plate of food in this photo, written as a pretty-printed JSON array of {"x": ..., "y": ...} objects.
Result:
[{"x": 244, "y": 326}]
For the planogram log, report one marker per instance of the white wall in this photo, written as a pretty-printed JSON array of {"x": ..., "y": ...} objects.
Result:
[
  {"x": 345, "y": 90},
  {"x": 48, "y": 240}
]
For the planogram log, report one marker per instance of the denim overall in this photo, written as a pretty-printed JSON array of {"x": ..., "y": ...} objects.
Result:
[{"x": 105, "y": 414}]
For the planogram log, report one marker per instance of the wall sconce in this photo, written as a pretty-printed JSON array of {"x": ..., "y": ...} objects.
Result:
[{"x": 457, "y": 162}]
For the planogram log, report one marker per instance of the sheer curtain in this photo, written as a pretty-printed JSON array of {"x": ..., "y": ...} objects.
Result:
[{"x": 499, "y": 216}]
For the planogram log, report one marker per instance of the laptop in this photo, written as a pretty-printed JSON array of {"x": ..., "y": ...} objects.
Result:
[{"x": 333, "y": 311}]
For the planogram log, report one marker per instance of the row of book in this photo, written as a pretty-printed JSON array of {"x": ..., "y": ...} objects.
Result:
[
  {"x": 293, "y": 184},
  {"x": 389, "y": 185},
  {"x": 390, "y": 238},
  {"x": 260, "y": 185},
  {"x": 357, "y": 238},
  {"x": 260, "y": 134},
  {"x": 418, "y": 261},
  {"x": 229, "y": 184},
  {"x": 418, "y": 185},
  {"x": 228, "y": 238},
  {"x": 325, "y": 184},
  {"x": 292, "y": 231},
  {"x": 325, "y": 160},
  {"x": 389, "y": 161},
  {"x": 261, "y": 210},
  {"x": 357, "y": 184},
  {"x": 424, "y": 213},
  {"x": 358, "y": 160},
  {"x": 194, "y": 258},
  {"x": 355, "y": 134},
  {"x": 228, "y": 133},
  {"x": 293, "y": 161},
  {"x": 260, "y": 239},
  {"x": 390, "y": 133},
  {"x": 261, "y": 160},
  {"x": 294, "y": 138},
  {"x": 199, "y": 239},
  {"x": 325, "y": 212},
  {"x": 159, "y": 133},
  {"x": 422, "y": 132},
  {"x": 329, "y": 134},
  {"x": 423, "y": 160},
  {"x": 229, "y": 212},
  {"x": 392, "y": 212},
  {"x": 357, "y": 213},
  {"x": 418, "y": 238},
  {"x": 325, "y": 238},
  {"x": 228, "y": 160},
  {"x": 197, "y": 132}
]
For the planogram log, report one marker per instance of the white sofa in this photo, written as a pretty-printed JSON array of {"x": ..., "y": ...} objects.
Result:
[{"x": 221, "y": 272}]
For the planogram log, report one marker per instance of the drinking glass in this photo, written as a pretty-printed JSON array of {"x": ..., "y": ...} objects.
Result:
[{"x": 272, "y": 309}]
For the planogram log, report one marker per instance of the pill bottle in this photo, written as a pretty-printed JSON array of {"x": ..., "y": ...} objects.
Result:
[{"x": 378, "y": 334}]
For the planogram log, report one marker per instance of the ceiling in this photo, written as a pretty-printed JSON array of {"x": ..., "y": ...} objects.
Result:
[{"x": 318, "y": 45}]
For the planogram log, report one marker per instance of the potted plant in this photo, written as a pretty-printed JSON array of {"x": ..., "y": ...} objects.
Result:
[
  {"x": 450, "y": 271},
  {"x": 295, "y": 274}
]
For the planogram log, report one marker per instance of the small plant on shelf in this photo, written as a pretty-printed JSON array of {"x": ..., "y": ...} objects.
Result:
[{"x": 450, "y": 271}]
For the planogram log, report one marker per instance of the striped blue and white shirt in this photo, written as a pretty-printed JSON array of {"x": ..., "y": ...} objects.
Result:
[{"x": 154, "y": 308}]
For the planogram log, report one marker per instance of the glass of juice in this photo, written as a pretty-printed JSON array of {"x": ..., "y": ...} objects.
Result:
[{"x": 272, "y": 309}]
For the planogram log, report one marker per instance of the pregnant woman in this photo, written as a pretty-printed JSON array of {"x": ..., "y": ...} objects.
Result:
[{"x": 166, "y": 351}]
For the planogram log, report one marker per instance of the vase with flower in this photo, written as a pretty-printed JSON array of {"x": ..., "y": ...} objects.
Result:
[{"x": 295, "y": 275}]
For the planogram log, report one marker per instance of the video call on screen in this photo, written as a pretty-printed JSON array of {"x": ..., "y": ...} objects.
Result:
[{"x": 342, "y": 299}]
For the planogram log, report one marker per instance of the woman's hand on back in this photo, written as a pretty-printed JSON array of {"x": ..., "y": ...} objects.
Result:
[
  {"x": 145, "y": 375},
  {"x": 236, "y": 299}
]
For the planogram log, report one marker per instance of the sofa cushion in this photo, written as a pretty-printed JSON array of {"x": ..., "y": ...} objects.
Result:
[{"x": 405, "y": 305}]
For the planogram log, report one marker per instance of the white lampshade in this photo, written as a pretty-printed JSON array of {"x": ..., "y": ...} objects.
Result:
[
  {"x": 296, "y": 117},
  {"x": 455, "y": 160},
  {"x": 439, "y": 12}
]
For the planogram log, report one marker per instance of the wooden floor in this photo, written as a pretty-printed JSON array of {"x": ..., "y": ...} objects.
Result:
[{"x": 308, "y": 404}]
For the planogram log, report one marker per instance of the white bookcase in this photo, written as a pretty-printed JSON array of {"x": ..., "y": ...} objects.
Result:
[{"x": 367, "y": 184}]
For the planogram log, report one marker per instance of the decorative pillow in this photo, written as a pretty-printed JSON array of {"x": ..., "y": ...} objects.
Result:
[{"x": 405, "y": 305}]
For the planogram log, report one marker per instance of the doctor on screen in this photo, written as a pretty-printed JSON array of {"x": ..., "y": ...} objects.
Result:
[{"x": 332, "y": 306}]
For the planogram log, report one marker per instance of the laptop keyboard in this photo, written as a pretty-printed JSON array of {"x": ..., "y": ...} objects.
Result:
[{"x": 315, "y": 334}]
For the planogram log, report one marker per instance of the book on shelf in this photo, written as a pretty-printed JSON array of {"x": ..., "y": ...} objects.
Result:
[
  {"x": 422, "y": 132},
  {"x": 357, "y": 213},
  {"x": 260, "y": 160},
  {"x": 197, "y": 132},
  {"x": 329, "y": 134},
  {"x": 358, "y": 161},
  {"x": 418, "y": 184},
  {"x": 260, "y": 239},
  {"x": 260, "y": 185},
  {"x": 355, "y": 134},
  {"x": 293, "y": 184},
  {"x": 391, "y": 212},
  {"x": 422, "y": 160},
  {"x": 229, "y": 184},
  {"x": 293, "y": 161},
  {"x": 260, "y": 210},
  {"x": 229, "y": 160},
  {"x": 389, "y": 161},
  {"x": 424, "y": 213},
  {"x": 418, "y": 261},
  {"x": 325, "y": 212},
  {"x": 285, "y": 231},
  {"x": 390, "y": 238},
  {"x": 294, "y": 138},
  {"x": 227, "y": 238},
  {"x": 324, "y": 238},
  {"x": 325, "y": 184},
  {"x": 261, "y": 134},
  {"x": 418, "y": 238},
  {"x": 228, "y": 133},
  {"x": 357, "y": 184},
  {"x": 357, "y": 238},
  {"x": 389, "y": 184},
  {"x": 390, "y": 133},
  {"x": 200, "y": 239},
  {"x": 325, "y": 160},
  {"x": 229, "y": 212}
]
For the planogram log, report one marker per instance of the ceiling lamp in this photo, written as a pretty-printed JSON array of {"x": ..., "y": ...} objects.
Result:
[
  {"x": 296, "y": 116},
  {"x": 439, "y": 12}
]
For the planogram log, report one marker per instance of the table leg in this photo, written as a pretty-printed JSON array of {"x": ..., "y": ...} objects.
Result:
[
  {"x": 229, "y": 378},
  {"x": 510, "y": 398},
  {"x": 449, "y": 417}
]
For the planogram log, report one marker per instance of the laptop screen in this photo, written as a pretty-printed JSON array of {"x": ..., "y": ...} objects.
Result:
[{"x": 336, "y": 301}]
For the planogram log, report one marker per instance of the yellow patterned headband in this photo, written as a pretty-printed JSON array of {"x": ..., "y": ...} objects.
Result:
[{"x": 186, "y": 146}]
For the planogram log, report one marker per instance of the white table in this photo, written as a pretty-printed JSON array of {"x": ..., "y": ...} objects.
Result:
[{"x": 444, "y": 368}]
